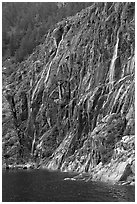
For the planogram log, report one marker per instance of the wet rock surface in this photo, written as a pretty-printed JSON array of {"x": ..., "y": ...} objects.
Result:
[{"x": 71, "y": 103}]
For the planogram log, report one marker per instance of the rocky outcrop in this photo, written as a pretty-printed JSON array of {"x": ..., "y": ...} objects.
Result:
[
  {"x": 73, "y": 98},
  {"x": 121, "y": 166}
]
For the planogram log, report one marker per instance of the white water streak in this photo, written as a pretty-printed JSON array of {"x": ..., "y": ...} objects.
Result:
[
  {"x": 48, "y": 72},
  {"x": 38, "y": 84},
  {"x": 112, "y": 66},
  {"x": 117, "y": 96}
]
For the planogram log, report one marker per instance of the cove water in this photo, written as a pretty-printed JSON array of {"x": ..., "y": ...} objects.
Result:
[{"x": 46, "y": 186}]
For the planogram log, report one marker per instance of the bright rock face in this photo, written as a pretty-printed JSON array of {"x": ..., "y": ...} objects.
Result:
[{"x": 73, "y": 98}]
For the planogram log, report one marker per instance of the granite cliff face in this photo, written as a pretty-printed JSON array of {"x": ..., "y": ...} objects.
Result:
[{"x": 72, "y": 101}]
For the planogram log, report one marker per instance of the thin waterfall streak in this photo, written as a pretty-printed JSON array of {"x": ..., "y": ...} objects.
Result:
[
  {"x": 42, "y": 75},
  {"x": 33, "y": 143},
  {"x": 117, "y": 96},
  {"x": 38, "y": 84},
  {"x": 112, "y": 66},
  {"x": 48, "y": 72}
]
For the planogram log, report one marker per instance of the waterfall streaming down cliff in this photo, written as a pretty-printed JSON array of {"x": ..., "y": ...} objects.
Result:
[
  {"x": 112, "y": 65},
  {"x": 82, "y": 104}
]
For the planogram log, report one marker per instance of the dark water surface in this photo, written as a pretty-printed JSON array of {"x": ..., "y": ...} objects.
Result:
[{"x": 46, "y": 186}]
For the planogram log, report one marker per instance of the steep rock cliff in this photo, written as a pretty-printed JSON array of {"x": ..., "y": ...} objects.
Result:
[{"x": 72, "y": 100}]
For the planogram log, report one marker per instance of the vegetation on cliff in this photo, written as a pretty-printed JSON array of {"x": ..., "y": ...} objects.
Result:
[
  {"x": 72, "y": 100},
  {"x": 24, "y": 24}
]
